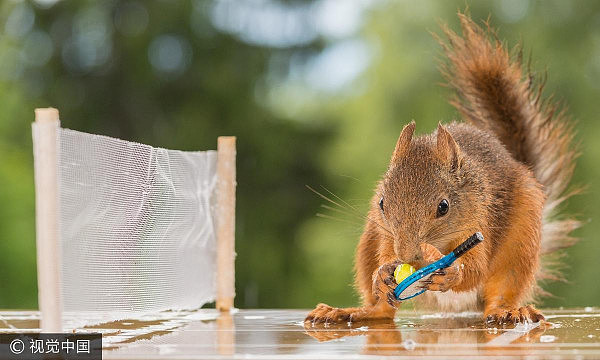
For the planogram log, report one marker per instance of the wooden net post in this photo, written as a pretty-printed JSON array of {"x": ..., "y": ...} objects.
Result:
[
  {"x": 225, "y": 222},
  {"x": 225, "y": 334},
  {"x": 47, "y": 215}
]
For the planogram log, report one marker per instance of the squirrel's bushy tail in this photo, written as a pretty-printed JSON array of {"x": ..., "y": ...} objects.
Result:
[{"x": 494, "y": 92}]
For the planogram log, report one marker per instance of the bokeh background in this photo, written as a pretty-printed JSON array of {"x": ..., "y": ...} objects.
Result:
[{"x": 316, "y": 92}]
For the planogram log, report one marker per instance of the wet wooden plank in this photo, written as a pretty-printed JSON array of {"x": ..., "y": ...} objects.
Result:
[{"x": 281, "y": 334}]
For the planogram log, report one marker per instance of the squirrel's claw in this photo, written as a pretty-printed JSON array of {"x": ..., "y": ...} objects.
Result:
[
  {"x": 384, "y": 283},
  {"x": 514, "y": 316},
  {"x": 443, "y": 279}
]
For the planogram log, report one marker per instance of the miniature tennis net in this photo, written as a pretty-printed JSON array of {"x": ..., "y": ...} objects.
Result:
[{"x": 125, "y": 229}]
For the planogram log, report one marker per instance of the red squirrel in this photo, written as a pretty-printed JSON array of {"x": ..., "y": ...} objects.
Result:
[{"x": 502, "y": 172}]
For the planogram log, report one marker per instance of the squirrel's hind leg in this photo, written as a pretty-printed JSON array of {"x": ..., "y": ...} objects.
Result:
[
  {"x": 378, "y": 302},
  {"x": 374, "y": 281},
  {"x": 513, "y": 264}
]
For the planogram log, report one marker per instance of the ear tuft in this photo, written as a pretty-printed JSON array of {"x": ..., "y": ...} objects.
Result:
[
  {"x": 447, "y": 148},
  {"x": 404, "y": 141}
]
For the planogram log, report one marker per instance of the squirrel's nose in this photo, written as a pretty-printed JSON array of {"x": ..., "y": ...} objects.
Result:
[
  {"x": 414, "y": 258},
  {"x": 418, "y": 261},
  {"x": 408, "y": 252}
]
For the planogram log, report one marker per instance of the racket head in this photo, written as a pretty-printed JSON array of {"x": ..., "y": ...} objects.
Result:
[{"x": 411, "y": 288}]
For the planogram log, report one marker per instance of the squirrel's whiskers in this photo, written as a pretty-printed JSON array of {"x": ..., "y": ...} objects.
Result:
[{"x": 346, "y": 210}]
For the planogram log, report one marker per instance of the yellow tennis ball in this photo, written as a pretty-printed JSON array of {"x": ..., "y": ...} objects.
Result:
[{"x": 402, "y": 272}]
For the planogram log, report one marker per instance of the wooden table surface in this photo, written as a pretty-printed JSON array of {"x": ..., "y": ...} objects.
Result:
[{"x": 281, "y": 334}]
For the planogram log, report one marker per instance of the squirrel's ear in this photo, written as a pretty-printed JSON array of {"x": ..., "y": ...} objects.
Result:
[
  {"x": 404, "y": 140},
  {"x": 447, "y": 148}
]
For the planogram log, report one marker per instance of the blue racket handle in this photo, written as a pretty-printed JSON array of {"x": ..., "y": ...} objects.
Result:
[{"x": 468, "y": 244}]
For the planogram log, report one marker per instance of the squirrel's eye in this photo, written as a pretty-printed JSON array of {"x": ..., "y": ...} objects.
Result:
[
  {"x": 442, "y": 208},
  {"x": 381, "y": 204}
]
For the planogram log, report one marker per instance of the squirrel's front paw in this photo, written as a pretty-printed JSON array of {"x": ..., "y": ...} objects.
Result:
[
  {"x": 384, "y": 283},
  {"x": 442, "y": 279}
]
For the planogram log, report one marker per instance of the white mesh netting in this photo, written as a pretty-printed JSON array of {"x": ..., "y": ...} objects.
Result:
[{"x": 137, "y": 230}]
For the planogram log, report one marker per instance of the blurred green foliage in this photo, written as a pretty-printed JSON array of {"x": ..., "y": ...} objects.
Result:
[{"x": 179, "y": 74}]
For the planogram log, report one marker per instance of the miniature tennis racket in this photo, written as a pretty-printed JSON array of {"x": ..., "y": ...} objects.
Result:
[{"x": 411, "y": 286}]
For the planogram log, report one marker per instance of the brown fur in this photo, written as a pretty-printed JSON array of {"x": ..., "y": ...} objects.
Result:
[
  {"x": 503, "y": 172},
  {"x": 494, "y": 93}
]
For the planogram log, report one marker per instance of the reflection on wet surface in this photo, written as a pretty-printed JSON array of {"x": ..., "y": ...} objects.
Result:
[{"x": 279, "y": 334}]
